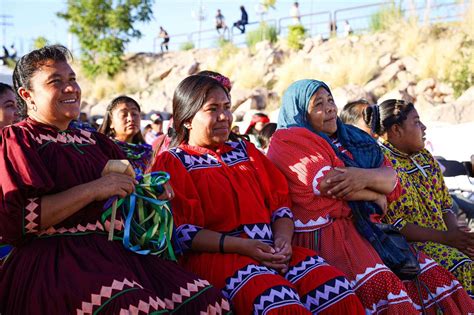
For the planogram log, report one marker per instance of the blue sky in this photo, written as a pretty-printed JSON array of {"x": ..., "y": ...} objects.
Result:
[{"x": 33, "y": 18}]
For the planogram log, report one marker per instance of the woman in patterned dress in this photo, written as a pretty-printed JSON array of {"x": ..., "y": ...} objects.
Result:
[
  {"x": 327, "y": 166},
  {"x": 423, "y": 213},
  {"x": 233, "y": 218},
  {"x": 122, "y": 124},
  {"x": 51, "y": 201}
]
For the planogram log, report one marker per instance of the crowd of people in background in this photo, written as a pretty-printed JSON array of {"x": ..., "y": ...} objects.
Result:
[{"x": 262, "y": 222}]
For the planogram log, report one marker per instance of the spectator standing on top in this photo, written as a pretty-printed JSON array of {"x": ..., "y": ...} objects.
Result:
[
  {"x": 295, "y": 12},
  {"x": 244, "y": 19},
  {"x": 166, "y": 38},
  {"x": 347, "y": 28}
]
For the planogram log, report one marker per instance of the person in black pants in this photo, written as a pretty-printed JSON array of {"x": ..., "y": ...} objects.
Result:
[
  {"x": 166, "y": 38},
  {"x": 244, "y": 19}
]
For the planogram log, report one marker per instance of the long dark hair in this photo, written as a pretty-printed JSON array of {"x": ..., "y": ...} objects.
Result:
[
  {"x": 105, "y": 126},
  {"x": 390, "y": 112},
  {"x": 27, "y": 66},
  {"x": 188, "y": 98}
]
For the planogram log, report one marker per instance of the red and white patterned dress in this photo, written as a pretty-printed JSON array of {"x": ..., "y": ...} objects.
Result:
[
  {"x": 326, "y": 225},
  {"x": 236, "y": 190}
]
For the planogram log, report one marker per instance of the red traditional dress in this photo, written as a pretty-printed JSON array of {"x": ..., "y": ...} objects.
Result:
[
  {"x": 326, "y": 225},
  {"x": 71, "y": 268},
  {"x": 235, "y": 190}
]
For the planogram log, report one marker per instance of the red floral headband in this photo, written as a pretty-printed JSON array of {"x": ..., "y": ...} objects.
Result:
[{"x": 223, "y": 80}]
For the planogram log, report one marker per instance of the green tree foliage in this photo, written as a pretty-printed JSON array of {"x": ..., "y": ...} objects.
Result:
[
  {"x": 40, "y": 42},
  {"x": 103, "y": 28}
]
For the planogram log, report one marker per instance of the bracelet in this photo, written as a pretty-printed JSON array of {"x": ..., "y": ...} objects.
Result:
[{"x": 221, "y": 243}]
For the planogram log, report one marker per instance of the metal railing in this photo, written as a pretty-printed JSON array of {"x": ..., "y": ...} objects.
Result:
[
  {"x": 175, "y": 43},
  {"x": 318, "y": 23},
  {"x": 314, "y": 23},
  {"x": 239, "y": 39},
  {"x": 360, "y": 22}
]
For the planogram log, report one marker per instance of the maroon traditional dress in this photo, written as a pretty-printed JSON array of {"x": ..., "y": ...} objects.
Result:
[
  {"x": 326, "y": 225},
  {"x": 237, "y": 191},
  {"x": 71, "y": 268}
]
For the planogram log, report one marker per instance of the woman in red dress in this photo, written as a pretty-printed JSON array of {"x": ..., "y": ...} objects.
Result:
[
  {"x": 332, "y": 167},
  {"x": 51, "y": 201},
  {"x": 232, "y": 214}
]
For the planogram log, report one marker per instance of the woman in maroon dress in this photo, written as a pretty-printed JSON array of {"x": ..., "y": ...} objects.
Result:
[
  {"x": 233, "y": 218},
  {"x": 52, "y": 196}
]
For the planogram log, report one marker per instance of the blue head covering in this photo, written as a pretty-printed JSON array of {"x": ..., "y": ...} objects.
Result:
[
  {"x": 295, "y": 104},
  {"x": 365, "y": 151}
]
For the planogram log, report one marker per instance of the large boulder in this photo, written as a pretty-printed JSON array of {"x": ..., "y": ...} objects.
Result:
[{"x": 351, "y": 93}]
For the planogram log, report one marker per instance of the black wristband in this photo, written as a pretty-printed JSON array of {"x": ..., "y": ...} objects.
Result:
[{"x": 221, "y": 243}]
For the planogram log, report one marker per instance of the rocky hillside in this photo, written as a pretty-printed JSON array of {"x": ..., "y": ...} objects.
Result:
[{"x": 432, "y": 67}]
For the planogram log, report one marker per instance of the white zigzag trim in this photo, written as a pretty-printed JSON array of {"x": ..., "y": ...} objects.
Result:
[
  {"x": 243, "y": 276},
  {"x": 441, "y": 293},
  {"x": 312, "y": 225},
  {"x": 392, "y": 299},
  {"x": 328, "y": 289},
  {"x": 297, "y": 272},
  {"x": 368, "y": 274},
  {"x": 316, "y": 178},
  {"x": 287, "y": 296},
  {"x": 255, "y": 232},
  {"x": 427, "y": 265}
]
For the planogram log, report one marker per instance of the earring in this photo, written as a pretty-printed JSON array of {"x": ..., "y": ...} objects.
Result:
[
  {"x": 34, "y": 108},
  {"x": 187, "y": 126}
]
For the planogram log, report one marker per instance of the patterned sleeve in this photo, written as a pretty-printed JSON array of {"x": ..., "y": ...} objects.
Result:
[
  {"x": 24, "y": 181},
  {"x": 186, "y": 205},
  {"x": 273, "y": 183}
]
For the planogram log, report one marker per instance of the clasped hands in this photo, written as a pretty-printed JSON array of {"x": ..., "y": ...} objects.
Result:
[
  {"x": 345, "y": 182},
  {"x": 276, "y": 257}
]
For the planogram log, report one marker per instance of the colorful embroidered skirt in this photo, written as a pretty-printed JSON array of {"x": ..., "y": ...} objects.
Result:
[
  {"x": 379, "y": 289},
  {"x": 309, "y": 286},
  {"x": 86, "y": 274}
]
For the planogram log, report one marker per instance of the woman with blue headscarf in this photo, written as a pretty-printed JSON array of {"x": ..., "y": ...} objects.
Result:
[{"x": 330, "y": 168}]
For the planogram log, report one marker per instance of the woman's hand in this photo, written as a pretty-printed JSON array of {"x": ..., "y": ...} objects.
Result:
[
  {"x": 112, "y": 184},
  {"x": 461, "y": 239},
  {"x": 381, "y": 201},
  {"x": 349, "y": 180},
  {"x": 168, "y": 192},
  {"x": 283, "y": 247},
  {"x": 263, "y": 253}
]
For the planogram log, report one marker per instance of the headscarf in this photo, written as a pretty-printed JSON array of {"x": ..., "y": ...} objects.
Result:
[{"x": 365, "y": 151}]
